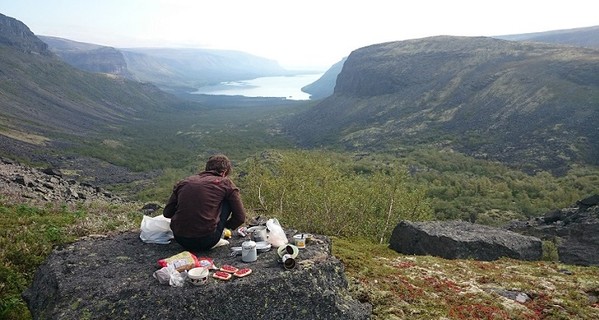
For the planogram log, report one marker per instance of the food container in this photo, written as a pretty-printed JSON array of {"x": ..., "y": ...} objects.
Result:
[
  {"x": 198, "y": 276},
  {"x": 248, "y": 251},
  {"x": 300, "y": 240},
  {"x": 309, "y": 237}
]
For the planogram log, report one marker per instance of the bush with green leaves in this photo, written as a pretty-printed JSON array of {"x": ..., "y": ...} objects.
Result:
[{"x": 325, "y": 193}]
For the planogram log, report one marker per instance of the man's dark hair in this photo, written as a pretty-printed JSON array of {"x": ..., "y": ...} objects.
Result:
[{"x": 219, "y": 163}]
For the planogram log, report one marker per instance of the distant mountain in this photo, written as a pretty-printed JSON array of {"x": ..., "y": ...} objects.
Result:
[
  {"x": 44, "y": 101},
  {"x": 580, "y": 37},
  {"x": 172, "y": 69},
  {"x": 189, "y": 69},
  {"x": 531, "y": 105},
  {"x": 89, "y": 57},
  {"x": 325, "y": 85}
]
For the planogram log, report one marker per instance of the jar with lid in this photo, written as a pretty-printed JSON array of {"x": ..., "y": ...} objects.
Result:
[{"x": 248, "y": 251}]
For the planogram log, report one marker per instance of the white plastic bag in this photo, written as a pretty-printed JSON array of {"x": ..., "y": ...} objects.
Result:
[
  {"x": 156, "y": 230},
  {"x": 170, "y": 275},
  {"x": 276, "y": 234}
]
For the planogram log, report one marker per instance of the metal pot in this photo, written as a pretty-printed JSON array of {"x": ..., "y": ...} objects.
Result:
[
  {"x": 248, "y": 251},
  {"x": 258, "y": 234}
]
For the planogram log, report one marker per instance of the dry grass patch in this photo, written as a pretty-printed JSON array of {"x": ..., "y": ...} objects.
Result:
[{"x": 24, "y": 136}]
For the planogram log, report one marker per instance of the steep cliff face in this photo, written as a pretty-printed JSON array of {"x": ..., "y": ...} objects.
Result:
[
  {"x": 325, "y": 86},
  {"x": 530, "y": 105},
  {"x": 17, "y": 35},
  {"x": 89, "y": 57}
]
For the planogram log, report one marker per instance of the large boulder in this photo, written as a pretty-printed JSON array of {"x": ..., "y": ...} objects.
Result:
[
  {"x": 112, "y": 278},
  {"x": 574, "y": 230},
  {"x": 463, "y": 240}
]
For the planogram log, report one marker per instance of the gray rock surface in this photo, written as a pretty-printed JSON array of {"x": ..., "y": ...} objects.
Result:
[
  {"x": 462, "y": 240},
  {"x": 111, "y": 278},
  {"x": 48, "y": 184},
  {"x": 574, "y": 230}
]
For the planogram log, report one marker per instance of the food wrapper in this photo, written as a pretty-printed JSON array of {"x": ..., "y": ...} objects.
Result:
[
  {"x": 181, "y": 261},
  {"x": 207, "y": 263}
]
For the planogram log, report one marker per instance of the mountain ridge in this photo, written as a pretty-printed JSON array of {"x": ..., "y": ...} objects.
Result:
[
  {"x": 581, "y": 37},
  {"x": 530, "y": 105},
  {"x": 46, "y": 105},
  {"x": 171, "y": 69}
]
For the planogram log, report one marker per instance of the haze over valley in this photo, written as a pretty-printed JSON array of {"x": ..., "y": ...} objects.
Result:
[{"x": 465, "y": 94}]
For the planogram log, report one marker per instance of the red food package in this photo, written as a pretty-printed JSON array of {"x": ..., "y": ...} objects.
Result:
[{"x": 181, "y": 261}]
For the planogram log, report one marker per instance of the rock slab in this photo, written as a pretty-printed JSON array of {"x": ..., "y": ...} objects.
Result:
[
  {"x": 463, "y": 240},
  {"x": 112, "y": 278},
  {"x": 574, "y": 230}
]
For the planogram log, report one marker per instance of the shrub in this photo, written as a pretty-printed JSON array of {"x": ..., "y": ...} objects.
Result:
[
  {"x": 322, "y": 193},
  {"x": 550, "y": 252}
]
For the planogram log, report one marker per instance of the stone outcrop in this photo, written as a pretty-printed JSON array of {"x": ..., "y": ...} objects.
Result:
[
  {"x": 48, "y": 184},
  {"x": 574, "y": 230},
  {"x": 462, "y": 240},
  {"x": 111, "y": 278},
  {"x": 16, "y": 34}
]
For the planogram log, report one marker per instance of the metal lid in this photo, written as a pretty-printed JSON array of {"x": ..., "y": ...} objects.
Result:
[{"x": 248, "y": 244}]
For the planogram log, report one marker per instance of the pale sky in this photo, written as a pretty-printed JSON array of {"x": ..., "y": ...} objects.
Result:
[{"x": 297, "y": 34}]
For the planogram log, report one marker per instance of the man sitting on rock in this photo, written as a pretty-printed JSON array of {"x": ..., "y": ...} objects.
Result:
[{"x": 203, "y": 205}]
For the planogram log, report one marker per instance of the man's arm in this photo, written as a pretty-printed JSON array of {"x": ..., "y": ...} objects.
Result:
[
  {"x": 237, "y": 211},
  {"x": 171, "y": 206}
]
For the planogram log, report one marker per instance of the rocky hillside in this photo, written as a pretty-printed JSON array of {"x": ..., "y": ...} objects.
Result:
[
  {"x": 47, "y": 106},
  {"x": 48, "y": 185},
  {"x": 42, "y": 92},
  {"x": 534, "y": 106}
]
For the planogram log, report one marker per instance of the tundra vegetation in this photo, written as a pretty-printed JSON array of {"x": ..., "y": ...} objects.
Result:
[{"x": 357, "y": 200}]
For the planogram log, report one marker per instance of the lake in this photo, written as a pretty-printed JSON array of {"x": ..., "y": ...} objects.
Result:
[{"x": 283, "y": 86}]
